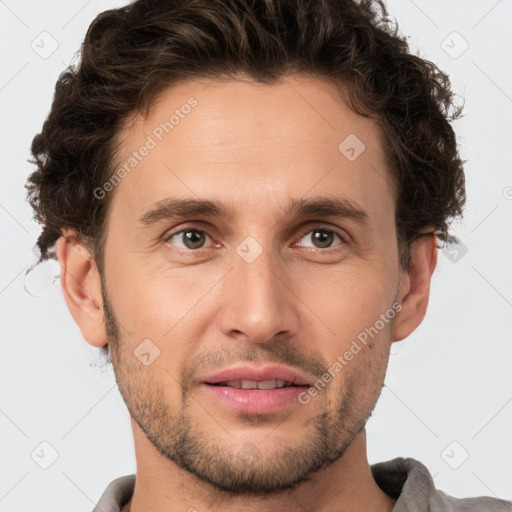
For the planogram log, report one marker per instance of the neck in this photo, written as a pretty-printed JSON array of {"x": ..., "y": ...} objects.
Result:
[{"x": 345, "y": 485}]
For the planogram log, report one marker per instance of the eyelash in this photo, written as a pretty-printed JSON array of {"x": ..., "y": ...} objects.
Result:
[{"x": 343, "y": 238}]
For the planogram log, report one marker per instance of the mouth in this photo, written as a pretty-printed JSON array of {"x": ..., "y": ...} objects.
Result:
[
  {"x": 258, "y": 377},
  {"x": 253, "y": 384},
  {"x": 254, "y": 397},
  {"x": 256, "y": 390}
]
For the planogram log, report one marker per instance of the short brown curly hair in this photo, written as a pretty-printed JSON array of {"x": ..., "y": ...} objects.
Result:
[{"x": 131, "y": 54}]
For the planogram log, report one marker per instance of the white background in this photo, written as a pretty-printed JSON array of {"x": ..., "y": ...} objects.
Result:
[{"x": 451, "y": 381}]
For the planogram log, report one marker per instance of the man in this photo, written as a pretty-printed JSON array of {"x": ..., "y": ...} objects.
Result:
[{"x": 245, "y": 199}]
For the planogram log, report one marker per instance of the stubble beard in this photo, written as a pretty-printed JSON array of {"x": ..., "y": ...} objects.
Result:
[{"x": 209, "y": 456}]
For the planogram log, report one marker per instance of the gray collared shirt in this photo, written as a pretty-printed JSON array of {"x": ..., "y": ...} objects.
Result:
[{"x": 404, "y": 479}]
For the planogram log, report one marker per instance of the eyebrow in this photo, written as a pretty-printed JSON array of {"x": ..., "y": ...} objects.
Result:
[{"x": 173, "y": 208}]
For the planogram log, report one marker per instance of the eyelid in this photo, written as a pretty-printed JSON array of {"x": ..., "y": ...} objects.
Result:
[
  {"x": 322, "y": 226},
  {"x": 170, "y": 233},
  {"x": 311, "y": 226}
]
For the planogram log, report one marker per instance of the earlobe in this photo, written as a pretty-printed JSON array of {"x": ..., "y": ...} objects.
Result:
[
  {"x": 415, "y": 286},
  {"x": 81, "y": 286}
]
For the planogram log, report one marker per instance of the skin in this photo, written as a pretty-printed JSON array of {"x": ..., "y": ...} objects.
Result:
[{"x": 256, "y": 147}]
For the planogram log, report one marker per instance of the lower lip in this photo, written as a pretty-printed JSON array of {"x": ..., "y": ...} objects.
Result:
[{"x": 259, "y": 401}]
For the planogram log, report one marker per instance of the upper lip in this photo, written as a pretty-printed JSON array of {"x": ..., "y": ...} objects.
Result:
[{"x": 258, "y": 374}]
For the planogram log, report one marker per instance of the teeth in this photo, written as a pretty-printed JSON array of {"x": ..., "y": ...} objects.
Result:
[
  {"x": 267, "y": 384},
  {"x": 248, "y": 384},
  {"x": 253, "y": 384}
]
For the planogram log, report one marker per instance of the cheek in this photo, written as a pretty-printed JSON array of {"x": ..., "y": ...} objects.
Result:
[
  {"x": 166, "y": 308},
  {"x": 153, "y": 301},
  {"x": 347, "y": 301},
  {"x": 358, "y": 364}
]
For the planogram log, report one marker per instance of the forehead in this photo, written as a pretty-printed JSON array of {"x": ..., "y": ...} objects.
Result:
[{"x": 249, "y": 144}]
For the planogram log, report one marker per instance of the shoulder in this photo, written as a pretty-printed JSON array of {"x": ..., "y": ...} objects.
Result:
[
  {"x": 116, "y": 495},
  {"x": 441, "y": 502},
  {"x": 411, "y": 484}
]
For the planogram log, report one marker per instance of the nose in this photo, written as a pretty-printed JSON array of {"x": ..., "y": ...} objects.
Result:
[{"x": 258, "y": 301}]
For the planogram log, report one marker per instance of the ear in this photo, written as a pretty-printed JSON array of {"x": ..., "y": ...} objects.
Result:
[
  {"x": 414, "y": 289},
  {"x": 81, "y": 286}
]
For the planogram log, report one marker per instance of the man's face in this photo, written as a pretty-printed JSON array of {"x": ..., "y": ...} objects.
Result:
[{"x": 297, "y": 293}]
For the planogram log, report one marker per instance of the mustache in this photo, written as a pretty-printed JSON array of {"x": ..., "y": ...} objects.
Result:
[{"x": 276, "y": 351}]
